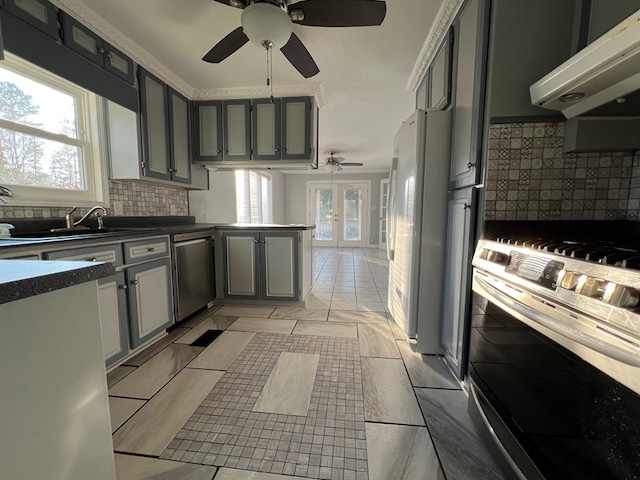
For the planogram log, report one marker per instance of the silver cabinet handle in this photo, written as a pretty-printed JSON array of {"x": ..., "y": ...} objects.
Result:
[
  {"x": 151, "y": 249},
  {"x": 94, "y": 259},
  {"x": 471, "y": 165},
  {"x": 134, "y": 282},
  {"x": 123, "y": 287}
]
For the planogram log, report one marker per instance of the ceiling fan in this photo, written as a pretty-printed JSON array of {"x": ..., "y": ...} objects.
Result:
[
  {"x": 335, "y": 164},
  {"x": 269, "y": 23}
]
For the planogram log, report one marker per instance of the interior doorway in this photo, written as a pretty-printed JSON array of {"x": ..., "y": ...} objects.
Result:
[
  {"x": 382, "y": 233},
  {"x": 340, "y": 212}
]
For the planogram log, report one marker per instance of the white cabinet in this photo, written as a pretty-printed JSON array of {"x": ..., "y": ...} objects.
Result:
[{"x": 261, "y": 265}]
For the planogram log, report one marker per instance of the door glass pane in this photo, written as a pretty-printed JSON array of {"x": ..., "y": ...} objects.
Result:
[
  {"x": 352, "y": 216},
  {"x": 324, "y": 214}
]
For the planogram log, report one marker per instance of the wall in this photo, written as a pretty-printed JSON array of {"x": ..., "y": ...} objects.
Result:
[
  {"x": 138, "y": 199},
  {"x": 218, "y": 204},
  {"x": 296, "y": 194},
  {"x": 530, "y": 178}
]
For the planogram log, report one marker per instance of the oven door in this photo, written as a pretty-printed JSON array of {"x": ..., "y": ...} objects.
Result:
[{"x": 553, "y": 413}]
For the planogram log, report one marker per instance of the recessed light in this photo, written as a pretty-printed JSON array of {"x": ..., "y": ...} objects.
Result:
[{"x": 571, "y": 97}]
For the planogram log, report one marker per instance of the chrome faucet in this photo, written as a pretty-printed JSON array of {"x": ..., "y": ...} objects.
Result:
[
  {"x": 5, "y": 192},
  {"x": 98, "y": 210}
]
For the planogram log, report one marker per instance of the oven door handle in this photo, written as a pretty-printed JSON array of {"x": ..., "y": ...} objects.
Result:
[{"x": 578, "y": 336}]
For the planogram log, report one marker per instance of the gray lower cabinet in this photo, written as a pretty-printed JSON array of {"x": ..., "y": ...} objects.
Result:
[
  {"x": 112, "y": 300},
  {"x": 150, "y": 301},
  {"x": 261, "y": 265},
  {"x": 136, "y": 303},
  {"x": 458, "y": 277}
]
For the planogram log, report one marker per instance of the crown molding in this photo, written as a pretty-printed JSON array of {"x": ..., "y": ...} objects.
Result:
[
  {"x": 87, "y": 16},
  {"x": 438, "y": 31},
  {"x": 306, "y": 90}
]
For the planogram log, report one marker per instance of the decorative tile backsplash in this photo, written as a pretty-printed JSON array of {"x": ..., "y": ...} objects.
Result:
[
  {"x": 530, "y": 178},
  {"x": 137, "y": 199}
]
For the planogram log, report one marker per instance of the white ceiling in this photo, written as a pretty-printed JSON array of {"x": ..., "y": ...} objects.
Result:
[{"x": 363, "y": 71}]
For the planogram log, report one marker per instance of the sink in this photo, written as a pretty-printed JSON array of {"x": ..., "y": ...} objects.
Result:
[{"x": 78, "y": 232}]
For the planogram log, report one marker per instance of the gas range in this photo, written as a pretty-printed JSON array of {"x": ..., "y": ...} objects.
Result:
[{"x": 587, "y": 293}]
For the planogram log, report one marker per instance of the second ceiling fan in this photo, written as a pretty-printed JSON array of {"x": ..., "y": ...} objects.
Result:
[{"x": 269, "y": 23}]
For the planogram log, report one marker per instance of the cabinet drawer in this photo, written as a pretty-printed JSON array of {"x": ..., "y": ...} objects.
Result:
[
  {"x": 146, "y": 250},
  {"x": 111, "y": 253}
]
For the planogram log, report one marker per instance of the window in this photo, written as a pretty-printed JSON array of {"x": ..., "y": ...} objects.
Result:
[
  {"x": 49, "y": 148},
  {"x": 253, "y": 197}
]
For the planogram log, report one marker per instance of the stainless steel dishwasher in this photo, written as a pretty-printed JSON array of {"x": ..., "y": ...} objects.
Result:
[{"x": 193, "y": 272}]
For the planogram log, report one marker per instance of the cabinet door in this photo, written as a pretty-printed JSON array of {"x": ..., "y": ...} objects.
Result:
[
  {"x": 40, "y": 14},
  {"x": 112, "y": 299},
  {"x": 266, "y": 129},
  {"x": 279, "y": 265},
  {"x": 237, "y": 129},
  {"x": 440, "y": 77},
  {"x": 457, "y": 284},
  {"x": 468, "y": 95},
  {"x": 297, "y": 128},
  {"x": 180, "y": 134},
  {"x": 422, "y": 94},
  {"x": 208, "y": 128},
  {"x": 82, "y": 40},
  {"x": 150, "y": 302},
  {"x": 155, "y": 134},
  {"x": 118, "y": 63},
  {"x": 241, "y": 275}
]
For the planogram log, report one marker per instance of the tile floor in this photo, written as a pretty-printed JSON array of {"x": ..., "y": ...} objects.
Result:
[{"x": 330, "y": 391}]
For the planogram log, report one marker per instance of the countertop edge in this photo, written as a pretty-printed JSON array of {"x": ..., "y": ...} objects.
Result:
[{"x": 45, "y": 277}]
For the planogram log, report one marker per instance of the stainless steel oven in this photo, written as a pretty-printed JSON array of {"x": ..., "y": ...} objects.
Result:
[
  {"x": 193, "y": 272},
  {"x": 555, "y": 357}
]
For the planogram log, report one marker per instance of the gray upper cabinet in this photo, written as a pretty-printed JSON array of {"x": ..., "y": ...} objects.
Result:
[
  {"x": 266, "y": 129},
  {"x": 602, "y": 15},
  {"x": 440, "y": 77},
  {"x": 180, "y": 134},
  {"x": 468, "y": 94},
  {"x": 40, "y": 14},
  {"x": 422, "y": 94},
  {"x": 208, "y": 131},
  {"x": 237, "y": 129},
  {"x": 82, "y": 40},
  {"x": 254, "y": 132},
  {"x": 298, "y": 128},
  {"x": 165, "y": 118}
]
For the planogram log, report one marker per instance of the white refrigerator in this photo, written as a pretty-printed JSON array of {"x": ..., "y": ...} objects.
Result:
[{"x": 417, "y": 226}]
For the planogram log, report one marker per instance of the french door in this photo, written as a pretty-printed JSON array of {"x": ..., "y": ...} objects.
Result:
[{"x": 339, "y": 212}]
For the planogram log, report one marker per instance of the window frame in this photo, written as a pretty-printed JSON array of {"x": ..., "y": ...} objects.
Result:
[
  {"x": 268, "y": 195},
  {"x": 90, "y": 124}
]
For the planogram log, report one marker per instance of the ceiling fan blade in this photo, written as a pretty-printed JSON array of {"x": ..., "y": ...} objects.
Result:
[
  {"x": 300, "y": 57},
  {"x": 234, "y": 3},
  {"x": 225, "y": 47},
  {"x": 340, "y": 13},
  {"x": 351, "y": 164}
]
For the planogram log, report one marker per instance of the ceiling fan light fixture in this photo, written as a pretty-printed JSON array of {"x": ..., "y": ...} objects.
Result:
[
  {"x": 264, "y": 22},
  {"x": 333, "y": 167}
]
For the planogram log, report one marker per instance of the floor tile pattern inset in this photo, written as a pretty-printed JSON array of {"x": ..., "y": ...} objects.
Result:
[
  {"x": 329, "y": 442},
  {"x": 129, "y": 467}
]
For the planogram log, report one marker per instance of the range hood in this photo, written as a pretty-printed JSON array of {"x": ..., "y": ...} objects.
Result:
[{"x": 606, "y": 70}]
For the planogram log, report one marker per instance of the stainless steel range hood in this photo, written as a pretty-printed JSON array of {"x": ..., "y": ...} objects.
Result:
[{"x": 604, "y": 71}]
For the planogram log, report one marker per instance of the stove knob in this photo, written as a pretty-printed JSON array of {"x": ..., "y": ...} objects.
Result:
[
  {"x": 569, "y": 280},
  {"x": 621, "y": 296},
  {"x": 590, "y": 287}
]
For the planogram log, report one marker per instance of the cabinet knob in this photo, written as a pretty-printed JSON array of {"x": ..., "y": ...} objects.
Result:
[
  {"x": 109, "y": 55},
  {"x": 151, "y": 249},
  {"x": 277, "y": 150},
  {"x": 284, "y": 149},
  {"x": 101, "y": 50},
  {"x": 123, "y": 287},
  {"x": 134, "y": 282},
  {"x": 471, "y": 165},
  {"x": 226, "y": 150},
  {"x": 219, "y": 150},
  {"x": 466, "y": 206},
  {"x": 94, "y": 259}
]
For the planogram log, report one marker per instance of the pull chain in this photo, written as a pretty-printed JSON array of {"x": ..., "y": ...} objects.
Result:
[{"x": 269, "y": 48}]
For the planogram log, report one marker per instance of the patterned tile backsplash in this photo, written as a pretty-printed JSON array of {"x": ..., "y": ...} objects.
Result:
[
  {"x": 137, "y": 199},
  {"x": 530, "y": 178}
]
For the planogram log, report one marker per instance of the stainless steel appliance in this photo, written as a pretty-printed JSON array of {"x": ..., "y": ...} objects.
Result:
[
  {"x": 416, "y": 227},
  {"x": 193, "y": 272},
  {"x": 555, "y": 356}
]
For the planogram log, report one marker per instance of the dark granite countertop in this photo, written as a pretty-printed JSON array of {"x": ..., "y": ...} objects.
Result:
[
  {"x": 26, "y": 278},
  {"x": 147, "y": 229}
]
